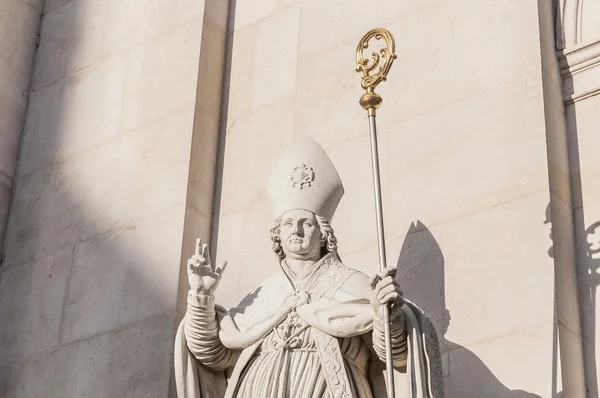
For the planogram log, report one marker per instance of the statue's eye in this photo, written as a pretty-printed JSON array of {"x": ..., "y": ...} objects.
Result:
[{"x": 308, "y": 225}]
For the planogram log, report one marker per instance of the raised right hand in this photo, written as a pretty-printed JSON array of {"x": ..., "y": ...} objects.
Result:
[{"x": 203, "y": 279}]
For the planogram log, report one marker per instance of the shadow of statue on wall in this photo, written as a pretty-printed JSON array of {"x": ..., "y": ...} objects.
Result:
[
  {"x": 588, "y": 268},
  {"x": 588, "y": 254},
  {"x": 421, "y": 274}
]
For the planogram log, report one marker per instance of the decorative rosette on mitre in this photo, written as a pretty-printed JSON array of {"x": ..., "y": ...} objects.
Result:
[{"x": 305, "y": 178}]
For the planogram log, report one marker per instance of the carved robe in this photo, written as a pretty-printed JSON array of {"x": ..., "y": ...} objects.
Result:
[{"x": 311, "y": 337}]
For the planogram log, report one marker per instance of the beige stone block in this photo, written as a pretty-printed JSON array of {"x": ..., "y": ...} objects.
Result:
[
  {"x": 252, "y": 147},
  {"x": 357, "y": 230},
  {"x": 229, "y": 236},
  {"x": 365, "y": 260},
  {"x": 70, "y": 39},
  {"x": 449, "y": 62},
  {"x": 35, "y": 4},
  {"x": 274, "y": 72},
  {"x": 210, "y": 69},
  {"x": 547, "y": 28},
  {"x": 327, "y": 97},
  {"x": 558, "y": 152},
  {"x": 18, "y": 29},
  {"x": 590, "y": 29},
  {"x": 516, "y": 365},
  {"x": 217, "y": 11},
  {"x": 51, "y": 5},
  {"x": 259, "y": 261},
  {"x": 132, "y": 362},
  {"x": 509, "y": 48},
  {"x": 42, "y": 128},
  {"x": 14, "y": 84},
  {"x": 563, "y": 252},
  {"x": 31, "y": 302},
  {"x": 571, "y": 363},
  {"x": 112, "y": 185},
  {"x": 124, "y": 276},
  {"x": 11, "y": 125},
  {"x": 239, "y": 83},
  {"x": 446, "y": 64},
  {"x": 73, "y": 115},
  {"x": 5, "y": 199},
  {"x": 162, "y": 76},
  {"x": 553, "y": 91},
  {"x": 130, "y": 22},
  {"x": 498, "y": 275},
  {"x": 202, "y": 164},
  {"x": 325, "y": 24},
  {"x": 287, "y": 3},
  {"x": 466, "y": 157},
  {"x": 582, "y": 125},
  {"x": 248, "y": 12}
]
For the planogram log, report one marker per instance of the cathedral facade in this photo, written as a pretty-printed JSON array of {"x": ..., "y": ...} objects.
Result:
[{"x": 130, "y": 128}]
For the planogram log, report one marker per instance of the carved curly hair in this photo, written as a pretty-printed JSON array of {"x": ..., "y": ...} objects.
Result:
[{"x": 328, "y": 238}]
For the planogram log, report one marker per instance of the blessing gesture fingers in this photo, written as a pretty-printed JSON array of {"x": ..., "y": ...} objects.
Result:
[{"x": 203, "y": 279}]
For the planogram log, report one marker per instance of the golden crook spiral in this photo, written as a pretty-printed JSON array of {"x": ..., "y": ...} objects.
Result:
[{"x": 375, "y": 68}]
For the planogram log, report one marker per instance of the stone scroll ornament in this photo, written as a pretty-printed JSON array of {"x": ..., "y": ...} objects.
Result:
[{"x": 316, "y": 328}]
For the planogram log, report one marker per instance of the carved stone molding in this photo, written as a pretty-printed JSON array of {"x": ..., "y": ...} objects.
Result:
[
  {"x": 578, "y": 48},
  {"x": 580, "y": 69}
]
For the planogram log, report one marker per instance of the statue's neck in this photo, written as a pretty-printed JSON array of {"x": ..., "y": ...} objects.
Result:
[{"x": 300, "y": 267}]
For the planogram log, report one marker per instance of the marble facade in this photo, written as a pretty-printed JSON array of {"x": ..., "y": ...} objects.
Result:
[{"x": 150, "y": 123}]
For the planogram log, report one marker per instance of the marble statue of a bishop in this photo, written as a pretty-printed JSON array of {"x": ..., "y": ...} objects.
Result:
[{"x": 314, "y": 328}]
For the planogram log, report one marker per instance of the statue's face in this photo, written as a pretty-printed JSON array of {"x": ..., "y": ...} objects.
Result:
[{"x": 300, "y": 235}]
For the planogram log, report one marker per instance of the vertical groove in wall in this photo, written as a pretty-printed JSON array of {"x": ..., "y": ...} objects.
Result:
[
  {"x": 204, "y": 142},
  {"x": 203, "y": 145},
  {"x": 223, "y": 117}
]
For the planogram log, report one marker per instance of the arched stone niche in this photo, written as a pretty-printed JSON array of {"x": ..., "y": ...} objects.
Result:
[
  {"x": 577, "y": 23},
  {"x": 578, "y": 48}
]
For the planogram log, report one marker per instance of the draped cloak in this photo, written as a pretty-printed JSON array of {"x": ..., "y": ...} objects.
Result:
[{"x": 336, "y": 306}]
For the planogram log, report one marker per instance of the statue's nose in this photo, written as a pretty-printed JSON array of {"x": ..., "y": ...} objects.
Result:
[{"x": 297, "y": 230}]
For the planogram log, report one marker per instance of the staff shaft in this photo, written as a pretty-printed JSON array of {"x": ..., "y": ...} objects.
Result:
[{"x": 389, "y": 361}]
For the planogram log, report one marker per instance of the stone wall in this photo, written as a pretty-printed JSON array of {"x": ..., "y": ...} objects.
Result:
[
  {"x": 490, "y": 181},
  {"x": 115, "y": 167},
  {"x": 472, "y": 151},
  {"x": 19, "y": 27}
]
